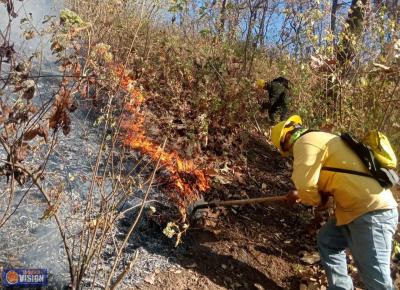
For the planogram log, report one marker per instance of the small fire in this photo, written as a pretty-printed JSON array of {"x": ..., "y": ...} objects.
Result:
[{"x": 187, "y": 181}]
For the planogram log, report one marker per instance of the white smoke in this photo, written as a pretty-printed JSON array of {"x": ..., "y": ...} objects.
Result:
[
  {"x": 30, "y": 16},
  {"x": 26, "y": 240}
]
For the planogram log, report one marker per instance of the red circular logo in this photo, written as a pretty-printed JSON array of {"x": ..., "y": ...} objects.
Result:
[{"x": 12, "y": 277}]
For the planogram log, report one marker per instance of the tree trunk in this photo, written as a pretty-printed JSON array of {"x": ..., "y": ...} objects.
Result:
[
  {"x": 233, "y": 22},
  {"x": 222, "y": 17},
  {"x": 345, "y": 52},
  {"x": 352, "y": 32},
  {"x": 333, "y": 16},
  {"x": 248, "y": 45},
  {"x": 261, "y": 36}
]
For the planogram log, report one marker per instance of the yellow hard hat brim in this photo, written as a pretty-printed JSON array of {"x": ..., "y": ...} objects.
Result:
[
  {"x": 279, "y": 131},
  {"x": 260, "y": 84}
]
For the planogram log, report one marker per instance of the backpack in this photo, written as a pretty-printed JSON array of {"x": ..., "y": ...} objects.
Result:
[{"x": 376, "y": 154}]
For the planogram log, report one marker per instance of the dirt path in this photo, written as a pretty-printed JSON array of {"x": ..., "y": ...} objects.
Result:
[{"x": 241, "y": 252}]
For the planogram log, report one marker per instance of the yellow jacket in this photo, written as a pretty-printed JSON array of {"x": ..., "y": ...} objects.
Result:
[{"x": 353, "y": 195}]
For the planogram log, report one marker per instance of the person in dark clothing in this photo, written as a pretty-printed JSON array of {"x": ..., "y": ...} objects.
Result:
[{"x": 279, "y": 93}]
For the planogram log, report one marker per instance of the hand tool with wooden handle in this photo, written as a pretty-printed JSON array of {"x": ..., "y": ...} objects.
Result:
[{"x": 213, "y": 204}]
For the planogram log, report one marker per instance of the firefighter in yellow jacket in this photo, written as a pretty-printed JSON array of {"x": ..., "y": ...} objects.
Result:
[{"x": 366, "y": 214}]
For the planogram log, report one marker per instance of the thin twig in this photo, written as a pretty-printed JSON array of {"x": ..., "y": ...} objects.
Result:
[
  {"x": 133, "y": 226},
  {"x": 127, "y": 269}
]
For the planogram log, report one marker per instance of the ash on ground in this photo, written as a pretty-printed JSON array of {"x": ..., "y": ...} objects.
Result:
[{"x": 30, "y": 240}]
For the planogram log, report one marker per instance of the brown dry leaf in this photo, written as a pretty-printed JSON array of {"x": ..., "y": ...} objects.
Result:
[
  {"x": 7, "y": 51},
  {"x": 5, "y": 113},
  {"x": 73, "y": 106},
  {"x": 29, "y": 93},
  {"x": 66, "y": 124},
  {"x": 223, "y": 179},
  {"x": 54, "y": 119},
  {"x": 77, "y": 71},
  {"x": 239, "y": 177},
  {"x": 38, "y": 131},
  {"x": 60, "y": 116},
  {"x": 21, "y": 152},
  {"x": 56, "y": 47},
  {"x": 211, "y": 172},
  {"x": 31, "y": 109},
  {"x": 9, "y": 130}
]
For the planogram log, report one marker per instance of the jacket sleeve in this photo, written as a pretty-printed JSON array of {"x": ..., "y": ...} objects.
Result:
[{"x": 307, "y": 164}]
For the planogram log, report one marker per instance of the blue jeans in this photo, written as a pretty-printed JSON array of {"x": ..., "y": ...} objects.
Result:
[{"x": 369, "y": 239}]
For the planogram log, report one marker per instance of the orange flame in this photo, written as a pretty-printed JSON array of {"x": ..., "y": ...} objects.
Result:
[{"x": 185, "y": 179}]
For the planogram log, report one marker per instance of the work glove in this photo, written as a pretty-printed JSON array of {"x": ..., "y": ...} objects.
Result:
[{"x": 292, "y": 197}]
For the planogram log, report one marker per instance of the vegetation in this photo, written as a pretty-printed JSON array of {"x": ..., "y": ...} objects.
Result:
[
  {"x": 197, "y": 60},
  {"x": 32, "y": 127},
  {"x": 181, "y": 73}
]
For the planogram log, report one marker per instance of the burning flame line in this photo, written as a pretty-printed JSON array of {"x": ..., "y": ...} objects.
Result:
[{"x": 185, "y": 179}]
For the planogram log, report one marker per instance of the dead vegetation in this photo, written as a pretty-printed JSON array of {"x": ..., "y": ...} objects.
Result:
[
  {"x": 182, "y": 75},
  {"x": 196, "y": 72}
]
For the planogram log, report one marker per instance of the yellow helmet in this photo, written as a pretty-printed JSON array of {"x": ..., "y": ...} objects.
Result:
[
  {"x": 279, "y": 131},
  {"x": 260, "y": 84}
]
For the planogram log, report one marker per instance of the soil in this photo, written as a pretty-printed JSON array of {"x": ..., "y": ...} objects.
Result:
[{"x": 250, "y": 247}]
